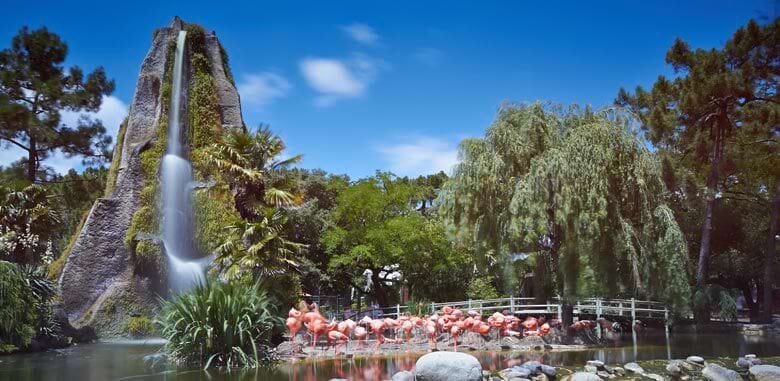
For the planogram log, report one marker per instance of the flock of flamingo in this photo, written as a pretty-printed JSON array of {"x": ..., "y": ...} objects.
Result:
[{"x": 449, "y": 320}]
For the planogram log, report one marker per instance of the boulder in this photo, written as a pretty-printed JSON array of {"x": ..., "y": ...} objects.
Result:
[
  {"x": 521, "y": 372},
  {"x": 743, "y": 363},
  {"x": 698, "y": 360},
  {"x": 765, "y": 373},
  {"x": 403, "y": 375},
  {"x": 596, "y": 363},
  {"x": 533, "y": 342},
  {"x": 673, "y": 369},
  {"x": 654, "y": 377},
  {"x": 584, "y": 376},
  {"x": 548, "y": 371},
  {"x": 715, "y": 372},
  {"x": 634, "y": 368},
  {"x": 448, "y": 366},
  {"x": 534, "y": 366},
  {"x": 591, "y": 369}
]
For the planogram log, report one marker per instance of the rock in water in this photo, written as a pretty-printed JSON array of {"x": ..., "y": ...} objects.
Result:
[
  {"x": 548, "y": 371},
  {"x": 448, "y": 366},
  {"x": 765, "y": 372},
  {"x": 715, "y": 372},
  {"x": 634, "y": 368},
  {"x": 403, "y": 375},
  {"x": 673, "y": 369},
  {"x": 584, "y": 376},
  {"x": 698, "y": 360},
  {"x": 534, "y": 366}
]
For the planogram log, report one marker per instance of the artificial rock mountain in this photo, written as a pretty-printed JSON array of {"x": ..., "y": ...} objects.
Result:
[{"x": 101, "y": 282}]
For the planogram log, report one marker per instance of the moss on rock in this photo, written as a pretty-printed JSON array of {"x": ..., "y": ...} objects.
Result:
[
  {"x": 139, "y": 326},
  {"x": 116, "y": 160}
]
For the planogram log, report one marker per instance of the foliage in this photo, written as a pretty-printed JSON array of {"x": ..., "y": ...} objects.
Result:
[
  {"x": 28, "y": 221},
  {"x": 35, "y": 87},
  {"x": 25, "y": 308},
  {"x": 579, "y": 186},
  {"x": 482, "y": 288},
  {"x": 257, "y": 246},
  {"x": 375, "y": 227},
  {"x": 221, "y": 324},
  {"x": 116, "y": 159},
  {"x": 718, "y": 118},
  {"x": 139, "y": 326}
]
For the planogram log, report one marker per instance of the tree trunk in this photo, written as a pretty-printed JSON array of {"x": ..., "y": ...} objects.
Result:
[
  {"x": 769, "y": 262},
  {"x": 753, "y": 306},
  {"x": 380, "y": 290},
  {"x": 32, "y": 161},
  {"x": 702, "y": 312}
]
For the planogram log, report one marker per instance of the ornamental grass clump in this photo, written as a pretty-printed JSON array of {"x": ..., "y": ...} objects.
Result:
[{"x": 220, "y": 324}]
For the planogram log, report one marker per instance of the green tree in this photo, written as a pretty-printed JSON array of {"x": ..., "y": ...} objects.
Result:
[
  {"x": 29, "y": 223},
  {"x": 375, "y": 227},
  {"x": 35, "y": 88},
  {"x": 717, "y": 99},
  {"x": 579, "y": 189},
  {"x": 251, "y": 165},
  {"x": 258, "y": 247}
]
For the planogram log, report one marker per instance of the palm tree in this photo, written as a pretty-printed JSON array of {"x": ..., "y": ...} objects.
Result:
[
  {"x": 251, "y": 164},
  {"x": 258, "y": 246}
]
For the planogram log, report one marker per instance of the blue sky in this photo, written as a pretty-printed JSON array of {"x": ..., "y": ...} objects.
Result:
[{"x": 393, "y": 85}]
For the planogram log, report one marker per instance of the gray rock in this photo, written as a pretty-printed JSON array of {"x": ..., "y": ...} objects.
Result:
[
  {"x": 534, "y": 366},
  {"x": 609, "y": 369},
  {"x": 653, "y": 376},
  {"x": 715, "y": 372},
  {"x": 511, "y": 373},
  {"x": 743, "y": 363},
  {"x": 673, "y": 369},
  {"x": 604, "y": 374},
  {"x": 523, "y": 372},
  {"x": 99, "y": 270},
  {"x": 750, "y": 356},
  {"x": 448, "y": 366},
  {"x": 403, "y": 375},
  {"x": 548, "y": 371},
  {"x": 765, "y": 373},
  {"x": 584, "y": 376},
  {"x": 634, "y": 368},
  {"x": 591, "y": 369},
  {"x": 518, "y": 379},
  {"x": 596, "y": 363},
  {"x": 698, "y": 360},
  {"x": 754, "y": 361},
  {"x": 619, "y": 371},
  {"x": 533, "y": 342}
]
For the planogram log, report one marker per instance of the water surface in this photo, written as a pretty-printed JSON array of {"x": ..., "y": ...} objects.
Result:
[{"x": 125, "y": 360}]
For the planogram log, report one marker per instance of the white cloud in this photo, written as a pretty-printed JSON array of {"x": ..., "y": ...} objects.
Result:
[
  {"x": 361, "y": 33},
  {"x": 112, "y": 112},
  {"x": 263, "y": 88},
  {"x": 335, "y": 79},
  {"x": 423, "y": 156},
  {"x": 428, "y": 56}
]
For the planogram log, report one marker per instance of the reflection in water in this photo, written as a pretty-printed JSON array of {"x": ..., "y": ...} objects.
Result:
[{"x": 125, "y": 360}]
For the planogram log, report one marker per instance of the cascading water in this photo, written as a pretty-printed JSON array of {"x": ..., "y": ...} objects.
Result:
[{"x": 177, "y": 216}]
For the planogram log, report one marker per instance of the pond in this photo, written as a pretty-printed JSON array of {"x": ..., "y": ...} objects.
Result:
[{"x": 124, "y": 360}]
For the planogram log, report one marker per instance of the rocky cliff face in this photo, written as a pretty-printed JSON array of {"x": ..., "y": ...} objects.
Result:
[{"x": 101, "y": 283}]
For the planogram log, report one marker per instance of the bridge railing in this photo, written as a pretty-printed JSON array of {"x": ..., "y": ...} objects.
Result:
[{"x": 628, "y": 308}]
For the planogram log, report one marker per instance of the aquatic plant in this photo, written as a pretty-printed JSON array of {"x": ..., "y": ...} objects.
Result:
[
  {"x": 139, "y": 326},
  {"x": 219, "y": 324}
]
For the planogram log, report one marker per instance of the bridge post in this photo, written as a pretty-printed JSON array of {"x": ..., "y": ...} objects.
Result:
[
  {"x": 512, "y": 304},
  {"x": 633, "y": 322},
  {"x": 666, "y": 328},
  {"x": 621, "y": 308},
  {"x": 433, "y": 308},
  {"x": 559, "y": 307},
  {"x": 397, "y": 311},
  {"x": 598, "y": 316}
]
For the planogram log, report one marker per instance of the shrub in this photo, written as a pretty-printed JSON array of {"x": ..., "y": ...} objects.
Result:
[
  {"x": 482, "y": 288},
  {"x": 222, "y": 324},
  {"x": 25, "y": 308},
  {"x": 139, "y": 326}
]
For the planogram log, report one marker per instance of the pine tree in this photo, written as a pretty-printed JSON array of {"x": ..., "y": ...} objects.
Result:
[{"x": 35, "y": 87}]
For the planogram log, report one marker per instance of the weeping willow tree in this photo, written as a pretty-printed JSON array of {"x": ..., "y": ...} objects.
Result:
[{"x": 580, "y": 191}]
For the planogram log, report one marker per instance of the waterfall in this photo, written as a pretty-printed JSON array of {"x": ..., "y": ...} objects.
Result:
[{"x": 184, "y": 270}]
